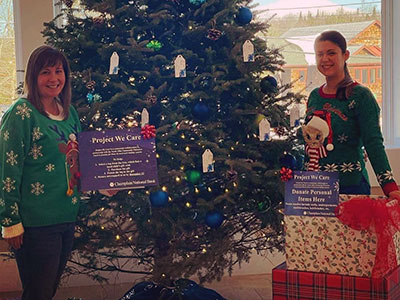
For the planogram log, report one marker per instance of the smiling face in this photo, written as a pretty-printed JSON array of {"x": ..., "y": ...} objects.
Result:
[
  {"x": 330, "y": 59},
  {"x": 50, "y": 81}
]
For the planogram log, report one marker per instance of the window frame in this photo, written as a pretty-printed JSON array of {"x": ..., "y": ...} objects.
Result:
[
  {"x": 357, "y": 74},
  {"x": 20, "y": 68},
  {"x": 390, "y": 72},
  {"x": 364, "y": 76},
  {"x": 372, "y": 75},
  {"x": 57, "y": 9}
]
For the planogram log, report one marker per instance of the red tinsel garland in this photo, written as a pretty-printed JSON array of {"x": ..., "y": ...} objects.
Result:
[{"x": 381, "y": 216}]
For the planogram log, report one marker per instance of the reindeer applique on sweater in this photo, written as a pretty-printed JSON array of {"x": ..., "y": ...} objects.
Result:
[{"x": 70, "y": 148}]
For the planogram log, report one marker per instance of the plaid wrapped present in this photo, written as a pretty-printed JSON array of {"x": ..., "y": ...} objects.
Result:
[
  {"x": 325, "y": 244},
  {"x": 299, "y": 285}
]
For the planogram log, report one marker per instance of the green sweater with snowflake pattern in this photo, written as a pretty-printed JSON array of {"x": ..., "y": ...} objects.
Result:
[
  {"x": 34, "y": 170},
  {"x": 355, "y": 124}
]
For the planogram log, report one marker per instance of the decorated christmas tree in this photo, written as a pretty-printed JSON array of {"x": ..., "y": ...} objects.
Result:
[{"x": 205, "y": 75}]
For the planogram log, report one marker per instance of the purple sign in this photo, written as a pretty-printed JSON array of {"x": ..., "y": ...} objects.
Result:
[
  {"x": 117, "y": 159},
  {"x": 314, "y": 194}
]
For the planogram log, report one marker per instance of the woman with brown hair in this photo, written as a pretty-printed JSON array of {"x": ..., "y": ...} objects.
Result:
[
  {"x": 38, "y": 196},
  {"x": 353, "y": 115}
]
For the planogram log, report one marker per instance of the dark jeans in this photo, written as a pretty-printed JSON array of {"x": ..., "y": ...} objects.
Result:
[
  {"x": 363, "y": 188},
  {"x": 42, "y": 258}
]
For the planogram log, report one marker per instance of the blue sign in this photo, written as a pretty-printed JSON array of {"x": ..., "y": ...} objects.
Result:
[
  {"x": 117, "y": 159},
  {"x": 314, "y": 194}
]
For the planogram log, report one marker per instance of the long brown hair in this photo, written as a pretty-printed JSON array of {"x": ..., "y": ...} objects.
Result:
[
  {"x": 41, "y": 57},
  {"x": 345, "y": 87}
]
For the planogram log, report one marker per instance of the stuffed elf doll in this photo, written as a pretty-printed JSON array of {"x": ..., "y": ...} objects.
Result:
[{"x": 315, "y": 131}]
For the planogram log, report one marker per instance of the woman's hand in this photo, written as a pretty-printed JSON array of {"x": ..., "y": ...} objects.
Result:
[
  {"x": 108, "y": 193},
  {"x": 15, "y": 242},
  {"x": 395, "y": 195}
]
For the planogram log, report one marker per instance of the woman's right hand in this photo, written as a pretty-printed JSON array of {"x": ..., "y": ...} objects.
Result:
[
  {"x": 15, "y": 242},
  {"x": 108, "y": 193}
]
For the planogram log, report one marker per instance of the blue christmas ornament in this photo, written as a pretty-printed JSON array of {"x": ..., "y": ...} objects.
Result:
[
  {"x": 197, "y": 2},
  {"x": 299, "y": 161},
  {"x": 201, "y": 111},
  {"x": 244, "y": 16},
  {"x": 268, "y": 85},
  {"x": 288, "y": 161},
  {"x": 159, "y": 199},
  {"x": 214, "y": 219}
]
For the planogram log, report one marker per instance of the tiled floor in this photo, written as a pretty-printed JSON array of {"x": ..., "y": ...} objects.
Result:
[
  {"x": 237, "y": 287},
  {"x": 245, "y": 287},
  {"x": 240, "y": 287}
]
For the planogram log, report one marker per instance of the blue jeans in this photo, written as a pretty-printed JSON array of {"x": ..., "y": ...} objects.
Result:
[
  {"x": 42, "y": 259},
  {"x": 363, "y": 188}
]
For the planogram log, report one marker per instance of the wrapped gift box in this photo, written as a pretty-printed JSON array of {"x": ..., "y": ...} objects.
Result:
[
  {"x": 324, "y": 244},
  {"x": 300, "y": 285}
]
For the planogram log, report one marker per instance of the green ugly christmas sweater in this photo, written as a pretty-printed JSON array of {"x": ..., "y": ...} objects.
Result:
[
  {"x": 36, "y": 158},
  {"x": 355, "y": 124}
]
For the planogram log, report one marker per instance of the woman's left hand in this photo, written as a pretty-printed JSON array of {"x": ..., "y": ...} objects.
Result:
[
  {"x": 395, "y": 195},
  {"x": 111, "y": 193},
  {"x": 15, "y": 242}
]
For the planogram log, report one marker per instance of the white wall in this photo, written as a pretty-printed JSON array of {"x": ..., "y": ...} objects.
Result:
[
  {"x": 391, "y": 86},
  {"x": 29, "y": 16},
  {"x": 393, "y": 155}
]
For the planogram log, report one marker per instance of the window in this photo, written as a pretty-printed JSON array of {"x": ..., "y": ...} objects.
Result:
[
  {"x": 388, "y": 12},
  {"x": 295, "y": 25},
  {"x": 8, "y": 79},
  {"x": 78, "y": 10},
  {"x": 357, "y": 75},
  {"x": 364, "y": 78},
  {"x": 302, "y": 76},
  {"x": 375, "y": 48},
  {"x": 372, "y": 76},
  {"x": 391, "y": 73}
]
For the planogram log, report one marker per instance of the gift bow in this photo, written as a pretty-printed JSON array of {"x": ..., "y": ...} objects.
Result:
[
  {"x": 380, "y": 216},
  {"x": 286, "y": 174},
  {"x": 148, "y": 131},
  {"x": 155, "y": 45}
]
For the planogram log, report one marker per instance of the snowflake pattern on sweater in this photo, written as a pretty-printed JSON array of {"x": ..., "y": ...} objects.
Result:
[
  {"x": 8, "y": 184},
  {"x": 33, "y": 189},
  {"x": 36, "y": 151},
  {"x": 23, "y": 111},
  {"x": 11, "y": 158},
  {"x": 50, "y": 167},
  {"x": 6, "y": 135},
  {"x": 36, "y": 134}
]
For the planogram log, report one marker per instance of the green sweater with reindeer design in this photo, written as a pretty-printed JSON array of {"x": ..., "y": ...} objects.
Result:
[{"x": 34, "y": 170}]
